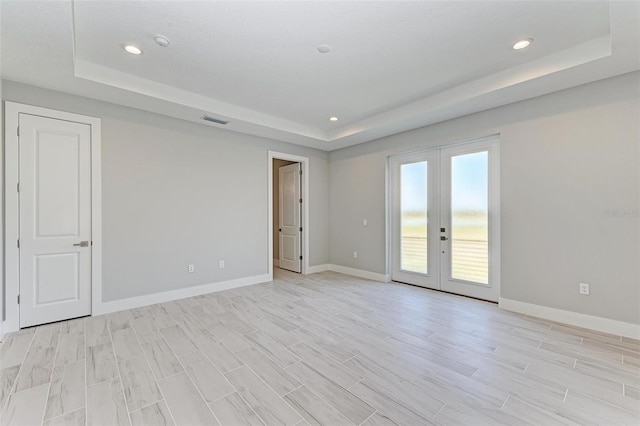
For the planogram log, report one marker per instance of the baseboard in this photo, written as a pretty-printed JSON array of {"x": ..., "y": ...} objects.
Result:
[
  {"x": 317, "y": 268},
  {"x": 385, "y": 278},
  {"x": 605, "y": 325},
  {"x": 167, "y": 296},
  {"x": 276, "y": 262}
]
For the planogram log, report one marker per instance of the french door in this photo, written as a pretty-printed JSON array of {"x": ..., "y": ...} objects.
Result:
[{"x": 445, "y": 219}]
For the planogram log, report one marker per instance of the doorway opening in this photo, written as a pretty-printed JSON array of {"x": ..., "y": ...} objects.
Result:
[
  {"x": 288, "y": 212},
  {"x": 287, "y": 221}
]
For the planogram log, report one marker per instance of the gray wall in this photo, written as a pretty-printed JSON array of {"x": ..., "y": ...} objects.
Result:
[
  {"x": 277, "y": 163},
  {"x": 176, "y": 193},
  {"x": 566, "y": 158}
]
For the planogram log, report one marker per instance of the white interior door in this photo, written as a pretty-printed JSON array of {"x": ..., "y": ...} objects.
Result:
[
  {"x": 445, "y": 219},
  {"x": 290, "y": 228},
  {"x": 55, "y": 219}
]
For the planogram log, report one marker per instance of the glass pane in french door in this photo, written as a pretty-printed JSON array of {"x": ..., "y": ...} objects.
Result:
[
  {"x": 470, "y": 217},
  {"x": 413, "y": 217}
]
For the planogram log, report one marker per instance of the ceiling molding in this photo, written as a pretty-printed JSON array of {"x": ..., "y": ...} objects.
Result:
[{"x": 255, "y": 98}]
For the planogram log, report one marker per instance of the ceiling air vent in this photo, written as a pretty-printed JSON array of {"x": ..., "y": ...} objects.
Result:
[{"x": 214, "y": 120}]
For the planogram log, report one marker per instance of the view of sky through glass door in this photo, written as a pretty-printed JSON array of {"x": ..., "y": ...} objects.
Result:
[
  {"x": 470, "y": 217},
  {"x": 413, "y": 218}
]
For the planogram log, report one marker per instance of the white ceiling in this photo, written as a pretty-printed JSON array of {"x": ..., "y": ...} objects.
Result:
[{"x": 393, "y": 65}]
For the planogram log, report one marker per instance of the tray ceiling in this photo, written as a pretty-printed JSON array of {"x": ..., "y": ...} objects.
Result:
[{"x": 392, "y": 65}]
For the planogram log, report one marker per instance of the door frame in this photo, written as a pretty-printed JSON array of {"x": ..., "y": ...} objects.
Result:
[
  {"x": 304, "y": 164},
  {"x": 494, "y": 250},
  {"x": 12, "y": 215}
]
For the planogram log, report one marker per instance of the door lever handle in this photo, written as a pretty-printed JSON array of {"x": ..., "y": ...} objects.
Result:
[{"x": 82, "y": 244}]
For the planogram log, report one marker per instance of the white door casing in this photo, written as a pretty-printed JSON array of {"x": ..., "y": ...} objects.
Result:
[
  {"x": 306, "y": 202},
  {"x": 289, "y": 217},
  {"x": 11, "y": 170},
  {"x": 55, "y": 217}
]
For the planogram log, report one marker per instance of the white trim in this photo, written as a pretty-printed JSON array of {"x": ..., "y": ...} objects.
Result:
[
  {"x": 12, "y": 283},
  {"x": 306, "y": 199},
  {"x": 317, "y": 268},
  {"x": 385, "y": 278},
  {"x": 182, "y": 293},
  {"x": 605, "y": 325}
]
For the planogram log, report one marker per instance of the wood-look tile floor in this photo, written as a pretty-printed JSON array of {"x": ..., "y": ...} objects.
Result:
[{"x": 319, "y": 349}]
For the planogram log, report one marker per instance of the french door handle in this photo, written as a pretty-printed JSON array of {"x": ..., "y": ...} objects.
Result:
[
  {"x": 82, "y": 244},
  {"x": 443, "y": 238}
]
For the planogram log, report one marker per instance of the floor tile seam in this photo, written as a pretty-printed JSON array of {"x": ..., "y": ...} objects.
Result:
[
  {"x": 339, "y": 385},
  {"x": 321, "y": 398},
  {"x": 15, "y": 381},
  {"x": 610, "y": 404},
  {"x": 365, "y": 420},
  {"x": 115, "y": 359},
  {"x": 184, "y": 370},
  {"x": 144, "y": 353},
  {"x": 53, "y": 363}
]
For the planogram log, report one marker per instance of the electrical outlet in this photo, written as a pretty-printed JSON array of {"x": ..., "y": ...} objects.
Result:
[
  {"x": 192, "y": 268},
  {"x": 355, "y": 254},
  {"x": 221, "y": 264},
  {"x": 584, "y": 289}
]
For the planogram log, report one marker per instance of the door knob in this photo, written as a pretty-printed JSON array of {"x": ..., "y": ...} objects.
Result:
[{"x": 82, "y": 244}]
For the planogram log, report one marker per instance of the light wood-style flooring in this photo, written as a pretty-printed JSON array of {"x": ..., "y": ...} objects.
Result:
[{"x": 318, "y": 349}]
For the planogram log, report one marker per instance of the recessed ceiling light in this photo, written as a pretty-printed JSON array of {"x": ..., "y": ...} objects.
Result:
[
  {"x": 161, "y": 40},
  {"x": 133, "y": 49},
  {"x": 333, "y": 118},
  {"x": 324, "y": 48},
  {"x": 521, "y": 44}
]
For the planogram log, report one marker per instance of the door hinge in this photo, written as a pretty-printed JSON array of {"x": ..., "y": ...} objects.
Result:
[
  {"x": 301, "y": 200},
  {"x": 300, "y": 171},
  {"x": 300, "y": 257},
  {"x": 18, "y": 186},
  {"x": 301, "y": 229},
  {"x": 18, "y": 299},
  {"x": 18, "y": 131},
  {"x": 18, "y": 243}
]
